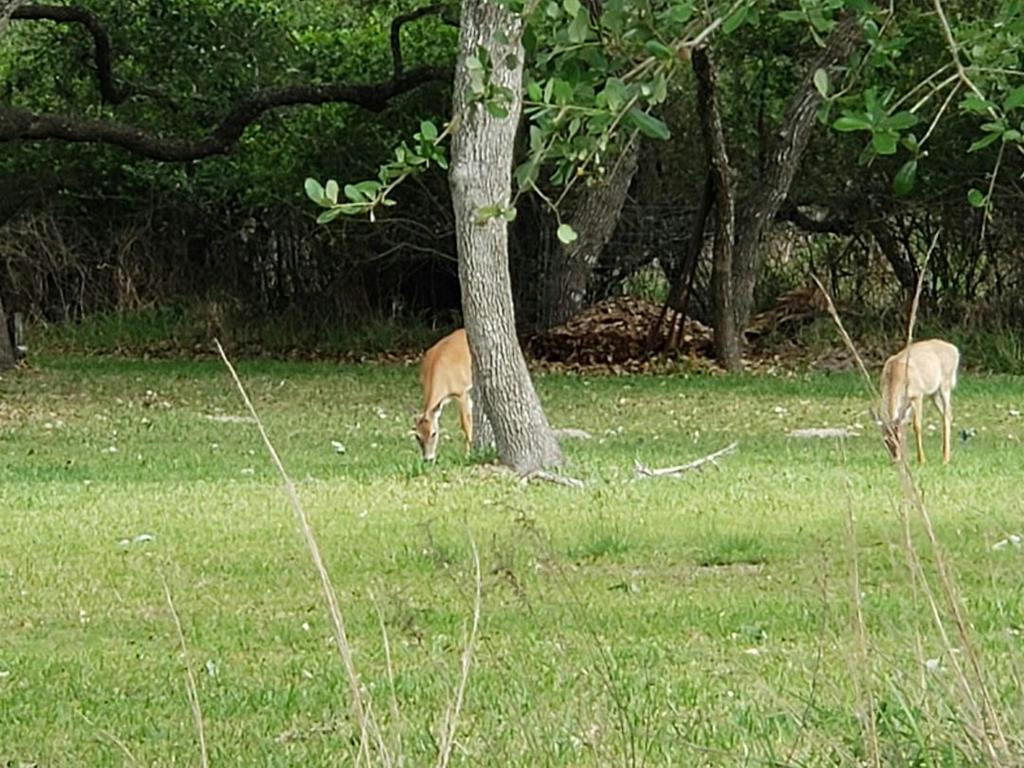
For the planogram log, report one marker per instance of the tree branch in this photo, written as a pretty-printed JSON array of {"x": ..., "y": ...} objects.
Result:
[
  {"x": 23, "y": 125},
  {"x": 396, "y": 28},
  {"x": 69, "y": 14}
]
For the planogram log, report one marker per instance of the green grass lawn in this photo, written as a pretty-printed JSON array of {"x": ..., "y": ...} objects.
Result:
[{"x": 700, "y": 620}]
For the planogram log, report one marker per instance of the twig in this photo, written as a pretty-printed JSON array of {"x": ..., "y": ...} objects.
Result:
[
  {"x": 337, "y": 620},
  {"x": 645, "y": 471},
  {"x": 846, "y": 337},
  {"x": 451, "y": 716},
  {"x": 917, "y": 291},
  {"x": 395, "y": 712},
  {"x": 861, "y": 687},
  {"x": 551, "y": 477},
  {"x": 113, "y": 737},
  {"x": 193, "y": 692}
]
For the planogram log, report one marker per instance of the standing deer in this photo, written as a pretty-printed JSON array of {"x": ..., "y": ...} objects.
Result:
[
  {"x": 924, "y": 368},
  {"x": 446, "y": 374}
]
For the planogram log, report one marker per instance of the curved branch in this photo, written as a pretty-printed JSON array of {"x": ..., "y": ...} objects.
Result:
[
  {"x": 23, "y": 125},
  {"x": 396, "y": 28},
  {"x": 69, "y": 14}
]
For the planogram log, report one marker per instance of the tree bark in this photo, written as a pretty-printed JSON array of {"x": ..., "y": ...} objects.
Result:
[
  {"x": 480, "y": 176},
  {"x": 781, "y": 166},
  {"x": 594, "y": 218},
  {"x": 7, "y": 356},
  {"x": 727, "y": 346}
]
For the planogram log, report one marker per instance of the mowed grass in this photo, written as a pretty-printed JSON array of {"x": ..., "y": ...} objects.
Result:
[{"x": 701, "y": 620}]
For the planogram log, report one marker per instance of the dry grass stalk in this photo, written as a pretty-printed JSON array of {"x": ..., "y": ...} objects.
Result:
[
  {"x": 451, "y": 716},
  {"x": 193, "y": 692},
  {"x": 861, "y": 667},
  {"x": 359, "y": 707},
  {"x": 112, "y": 737}
]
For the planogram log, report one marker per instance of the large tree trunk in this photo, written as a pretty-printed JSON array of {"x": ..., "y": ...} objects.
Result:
[
  {"x": 480, "y": 176},
  {"x": 727, "y": 346},
  {"x": 781, "y": 166},
  {"x": 594, "y": 218}
]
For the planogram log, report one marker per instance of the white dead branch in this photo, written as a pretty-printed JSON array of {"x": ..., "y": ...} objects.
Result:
[
  {"x": 645, "y": 471},
  {"x": 823, "y": 432}
]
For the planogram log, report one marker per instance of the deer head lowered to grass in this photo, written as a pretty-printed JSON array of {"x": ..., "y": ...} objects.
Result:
[
  {"x": 446, "y": 374},
  {"x": 925, "y": 368}
]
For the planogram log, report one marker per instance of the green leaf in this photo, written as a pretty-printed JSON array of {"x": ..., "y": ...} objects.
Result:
[
  {"x": 984, "y": 141},
  {"x": 315, "y": 192},
  {"x": 331, "y": 191},
  {"x": 562, "y": 91},
  {"x": 903, "y": 181},
  {"x": 352, "y": 193},
  {"x": 659, "y": 50},
  {"x": 572, "y": 7},
  {"x": 1012, "y": 135},
  {"x": 885, "y": 142},
  {"x": 792, "y": 15},
  {"x": 1014, "y": 99},
  {"x": 975, "y": 105},
  {"x": 681, "y": 13},
  {"x": 368, "y": 188},
  {"x": 821, "y": 82},
  {"x": 580, "y": 27},
  {"x": 734, "y": 20},
  {"x": 497, "y": 110},
  {"x": 848, "y": 123},
  {"x": 615, "y": 93},
  {"x": 328, "y": 216},
  {"x": 975, "y": 197},
  {"x": 428, "y": 130},
  {"x": 649, "y": 125},
  {"x": 533, "y": 90},
  {"x": 566, "y": 234},
  {"x": 901, "y": 121}
]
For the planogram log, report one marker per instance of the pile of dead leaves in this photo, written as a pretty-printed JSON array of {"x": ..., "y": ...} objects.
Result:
[{"x": 613, "y": 334}]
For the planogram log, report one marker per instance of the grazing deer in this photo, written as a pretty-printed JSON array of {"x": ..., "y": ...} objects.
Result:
[
  {"x": 446, "y": 374},
  {"x": 924, "y": 368}
]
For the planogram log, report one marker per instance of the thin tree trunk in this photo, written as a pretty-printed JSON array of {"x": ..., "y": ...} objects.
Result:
[
  {"x": 781, "y": 166},
  {"x": 7, "y": 356},
  {"x": 594, "y": 218},
  {"x": 480, "y": 176},
  {"x": 727, "y": 347},
  {"x": 678, "y": 298}
]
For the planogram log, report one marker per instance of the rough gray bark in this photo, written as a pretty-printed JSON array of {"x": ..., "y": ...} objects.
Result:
[
  {"x": 594, "y": 218},
  {"x": 480, "y": 176},
  {"x": 727, "y": 339},
  {"x": 781, "y": 165}
]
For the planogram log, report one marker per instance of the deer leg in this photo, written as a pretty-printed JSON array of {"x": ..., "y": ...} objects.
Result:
[
  {"x": 466, "y": 417},
  {"x": 944, "y": 400},
  {"x": 917, "y": 405}
]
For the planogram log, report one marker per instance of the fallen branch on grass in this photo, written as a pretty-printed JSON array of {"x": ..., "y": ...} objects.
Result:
[
  {"x": 645, "y": 471},
  {"x": 823, "y": 432}
]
